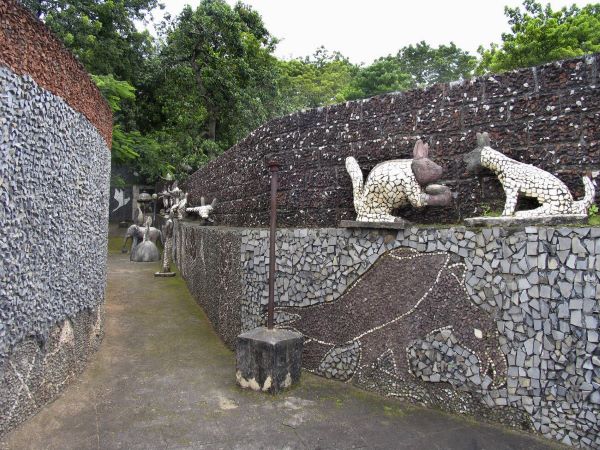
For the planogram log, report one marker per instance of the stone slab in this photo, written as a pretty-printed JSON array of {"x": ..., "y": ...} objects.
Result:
[
  {"x": 507, "y": 221},
  {"x": 400, "y": 224},
  {"x": 164, "y": 274},
  {"x": 268, "y": 360}
]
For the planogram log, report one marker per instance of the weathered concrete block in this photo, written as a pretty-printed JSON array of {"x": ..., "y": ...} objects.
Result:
[{"x": 268, "y": 360}]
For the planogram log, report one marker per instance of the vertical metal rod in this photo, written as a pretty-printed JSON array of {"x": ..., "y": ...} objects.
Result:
[{"x": 273, "y": 167}]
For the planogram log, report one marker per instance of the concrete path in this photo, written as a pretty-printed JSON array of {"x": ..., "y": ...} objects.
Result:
[{"x": 162, "y": 379}]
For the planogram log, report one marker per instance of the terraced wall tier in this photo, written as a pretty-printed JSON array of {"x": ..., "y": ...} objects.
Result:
[
  {"x": 54, "y": 181},
  {"x": 548, "y": 116},
  {"x": 493, "y": 323}
]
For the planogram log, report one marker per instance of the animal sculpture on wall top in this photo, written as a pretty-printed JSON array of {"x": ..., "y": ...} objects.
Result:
[
  {"x": 518, "y": 178},
  {"x": 204, "y": 211},
  {"x": 396, "y": 183}
]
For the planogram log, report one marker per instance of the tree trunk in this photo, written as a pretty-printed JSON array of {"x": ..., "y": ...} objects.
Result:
[{"x": 212, "y": 128}]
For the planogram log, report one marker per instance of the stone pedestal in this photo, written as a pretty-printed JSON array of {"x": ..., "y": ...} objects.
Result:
[
  {"x": 268, "y": 360},
  {"x": 398, "y": 224},
  {"x": 511, "y": 221},
  {"x": 164, "y": 274}
]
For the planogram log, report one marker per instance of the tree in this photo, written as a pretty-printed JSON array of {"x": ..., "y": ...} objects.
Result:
[
  {"x": 384, "y": 75},
  {"x": 101, "y": 33},
  {"x": 427, "y": 65},
  {"x": 321, "y": 79},
  {"x": 539, "y": 35},
  {"x": 226, "y": 55}
]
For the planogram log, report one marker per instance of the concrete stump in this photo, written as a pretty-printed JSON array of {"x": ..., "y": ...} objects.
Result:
[{"x": 268, "y": 360}]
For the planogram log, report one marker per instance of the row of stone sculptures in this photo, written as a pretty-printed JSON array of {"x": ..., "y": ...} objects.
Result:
[
  {"x": 390, "y": 185},
  {"x": 396, "y": 183},
  {"x": 144, "y": 237}
]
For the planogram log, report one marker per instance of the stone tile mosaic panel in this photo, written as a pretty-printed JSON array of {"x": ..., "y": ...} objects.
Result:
[
  {"x": 35, "y": 374},
  {"x": 533, "y": 294}
]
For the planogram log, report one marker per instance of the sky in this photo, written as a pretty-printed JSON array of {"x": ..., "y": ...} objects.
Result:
[{"x": 366, "y": 30}]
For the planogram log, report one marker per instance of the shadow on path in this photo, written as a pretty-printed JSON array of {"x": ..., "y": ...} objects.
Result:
[{"x": 163, "y": 379}]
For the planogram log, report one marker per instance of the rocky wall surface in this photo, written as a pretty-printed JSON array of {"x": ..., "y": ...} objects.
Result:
[
  {"x": 35, "y": 372},
  {"x": 28, "y": 47},
  {"x": 495, "y": 323},
  {"x": 54, "y": 182},
  {"x": 548, "y": 116},
  {"x": 203, "y": 255}
]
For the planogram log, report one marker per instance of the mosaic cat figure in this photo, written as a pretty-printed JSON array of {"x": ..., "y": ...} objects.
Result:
[
  {"x": 530, "y": 181},
  {"x": 395, "y": 183}
]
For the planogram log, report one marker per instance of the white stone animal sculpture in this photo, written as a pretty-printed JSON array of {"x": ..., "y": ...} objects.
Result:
[
  {"x": 180, "y": 207},
  {"x": 137, "y": 234},
  {"x": 204, "y": 210},
  {"x": 395, "y": 183},
  {"x": 519, "y": 178}
]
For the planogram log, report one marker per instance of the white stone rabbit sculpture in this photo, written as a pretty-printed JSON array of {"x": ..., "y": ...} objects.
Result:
[{"x": 395, "y": 183}]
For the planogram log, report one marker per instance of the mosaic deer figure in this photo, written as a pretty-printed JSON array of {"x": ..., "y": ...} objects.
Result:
[
  {"x": 395, "y": 183},
  {"x": 519, "y": 178}
]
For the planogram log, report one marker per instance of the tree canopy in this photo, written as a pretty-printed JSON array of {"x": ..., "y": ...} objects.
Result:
[
  {"x": 540, "y": 34},
  {"x": 211, "y": 76}
]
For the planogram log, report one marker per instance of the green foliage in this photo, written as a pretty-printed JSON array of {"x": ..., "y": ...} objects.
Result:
[
  {"x": 211, "y": 77},
  {"x": 114, "y": 91},
  {"x": 593, "y": 216},
  {"x": 488, "y": 211},
  {"x": 321, "y": 79},
  {"x": 384, "y": 75},
  {"x": 222, "y": 56},
  {"x": 427, "y": 65},
  {"x": 539, "y": 35},
  {"x": 101, "y": 33}
]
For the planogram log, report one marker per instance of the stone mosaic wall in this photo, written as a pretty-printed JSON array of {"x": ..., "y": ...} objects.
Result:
[
  {"x": 35, "y": 373},
  {"x": 548, "y": 116},
  {"x": 29, "y": 48},
  {"x": 204, "y": 256},
  {"x": 54, "y": 182},
  {"x": 494, "y": 323}
]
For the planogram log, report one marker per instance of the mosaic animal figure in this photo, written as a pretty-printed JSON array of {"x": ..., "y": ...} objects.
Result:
[
  {"x": 180, "y": 207},
  {"x": 147, "y": 250},
  {"x": 137, "y": 233},
  {"x": 383, "y": 315},
  {"x": 392, "y": 184},
  {"x": 204, "y": 210},
  {"x": 518, "y": 178}
]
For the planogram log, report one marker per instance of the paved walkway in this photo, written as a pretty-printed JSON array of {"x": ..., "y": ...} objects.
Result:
[{"x": 162, "y": 379}]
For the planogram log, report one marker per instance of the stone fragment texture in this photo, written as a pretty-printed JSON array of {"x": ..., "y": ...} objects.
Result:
[
  {"x": 34, "y": 375},
  {"x": 54, "y": 183},
  {"x": 548, "y": 116},
  {"x": 496, "y": 323},
  {"x": 27, "y": 47},
  {"x": 214, "y": 278}
]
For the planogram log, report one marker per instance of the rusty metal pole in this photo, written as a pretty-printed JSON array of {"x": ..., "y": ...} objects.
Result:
[{"x": 274, "y": 168}]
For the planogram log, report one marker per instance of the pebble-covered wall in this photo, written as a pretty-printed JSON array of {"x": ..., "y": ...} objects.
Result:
[
  {"x": 494, "y": 323},
  {"x": 548, "y": 116},
  {"x": 54, "y": 180}
]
